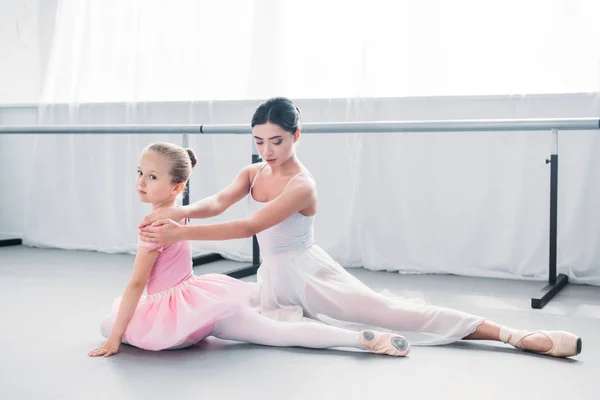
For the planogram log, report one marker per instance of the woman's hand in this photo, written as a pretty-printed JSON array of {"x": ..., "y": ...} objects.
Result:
[
  {"x": 163, "y": 232},
  {"x": 110, "y": 348},
  {"x": 176, "y": 214}
]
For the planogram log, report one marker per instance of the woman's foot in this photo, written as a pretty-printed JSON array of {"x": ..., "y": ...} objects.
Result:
[
  {"x": 384, "y": 343},
  {"x": 553, "y": 343}
]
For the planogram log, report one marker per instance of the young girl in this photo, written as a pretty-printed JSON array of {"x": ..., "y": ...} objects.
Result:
[
  {"x": 297, "y": 276},
  {"x": 180, "y": 308}
]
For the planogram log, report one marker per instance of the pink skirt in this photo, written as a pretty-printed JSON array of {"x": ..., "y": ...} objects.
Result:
[{"x": 184, "y": 314}]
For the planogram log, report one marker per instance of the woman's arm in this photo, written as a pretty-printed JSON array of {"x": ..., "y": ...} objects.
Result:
[
  {"x": 218, "y": 203},
  {"x": 210, "y": 206},
  {"x": 293, "y": 199},
  {"x": 297, "y": 196}
]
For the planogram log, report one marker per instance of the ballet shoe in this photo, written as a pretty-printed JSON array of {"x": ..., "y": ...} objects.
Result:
[
  {"x": 384, "y": 343},
  {"x": 564, "y": 344}
]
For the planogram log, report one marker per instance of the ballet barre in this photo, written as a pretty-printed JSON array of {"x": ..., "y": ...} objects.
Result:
[
  {"x": 498, "y": 125},
  {"x": 555, "y": 281}
]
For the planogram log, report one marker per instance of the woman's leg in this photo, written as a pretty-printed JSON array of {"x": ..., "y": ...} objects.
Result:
[
  {"x": 247, "y": 326},
  {"x": 358, "y": 303},
  {"x": 556, "y": 343},
  {"x": 489, "y": 330}
]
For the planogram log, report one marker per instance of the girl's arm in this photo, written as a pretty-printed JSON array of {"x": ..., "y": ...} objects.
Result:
[{"x": 144, "y": 261}]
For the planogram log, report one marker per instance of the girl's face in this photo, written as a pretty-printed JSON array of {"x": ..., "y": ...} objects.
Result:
[
  {"x": 153, "y": 181},
  {"x": 274, "y": 144}
]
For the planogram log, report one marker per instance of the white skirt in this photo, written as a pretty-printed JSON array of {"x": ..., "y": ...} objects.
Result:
[{"x": 309, "y": 284}]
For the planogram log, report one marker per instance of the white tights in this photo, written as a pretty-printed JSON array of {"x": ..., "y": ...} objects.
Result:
[{"x": 247, "y": 326}]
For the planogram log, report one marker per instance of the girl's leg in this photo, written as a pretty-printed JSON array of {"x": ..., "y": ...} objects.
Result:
[
  {"x": 106, "y": 327},
  {"x": 247, "y": 326}
]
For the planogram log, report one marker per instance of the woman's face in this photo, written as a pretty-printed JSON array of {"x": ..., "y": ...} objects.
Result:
[{"x": 274, "y": 144}]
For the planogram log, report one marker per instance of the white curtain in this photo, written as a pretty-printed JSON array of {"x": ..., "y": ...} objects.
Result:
[
  {"x": 191, "y": 50},
  {"x": 461, "y": 203}
]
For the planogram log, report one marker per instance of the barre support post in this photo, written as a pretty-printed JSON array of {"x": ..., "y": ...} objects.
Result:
[{"x": 555, "y": 282}]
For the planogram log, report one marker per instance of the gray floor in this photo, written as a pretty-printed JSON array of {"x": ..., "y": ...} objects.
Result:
[{"x": 52, "y": 301}]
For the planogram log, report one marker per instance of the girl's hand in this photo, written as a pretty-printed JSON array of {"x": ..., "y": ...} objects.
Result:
[
  {"x": 176, "y": 214},
  {"x": 164, "y": 231},
  {"x": 109, "y": 348}
]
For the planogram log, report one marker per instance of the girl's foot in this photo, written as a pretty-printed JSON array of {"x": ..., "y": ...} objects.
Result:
[{"x": 384, "y": 343}]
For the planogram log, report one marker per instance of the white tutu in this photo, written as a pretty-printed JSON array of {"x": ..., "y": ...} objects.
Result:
[
  {"x": 309, "y": 284},
  {"x": 298, "y": 280}
]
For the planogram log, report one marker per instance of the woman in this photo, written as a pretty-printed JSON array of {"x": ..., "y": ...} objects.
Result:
[{"x": 297, "y": 278}]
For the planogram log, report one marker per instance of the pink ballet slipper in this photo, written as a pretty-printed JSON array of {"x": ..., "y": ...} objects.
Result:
[
  {"x": 384, "y": 343},
  {"x": 564, "y": 344}
]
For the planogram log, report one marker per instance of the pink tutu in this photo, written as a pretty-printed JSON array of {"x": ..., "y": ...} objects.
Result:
[{"x": 184, "y": 314}]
